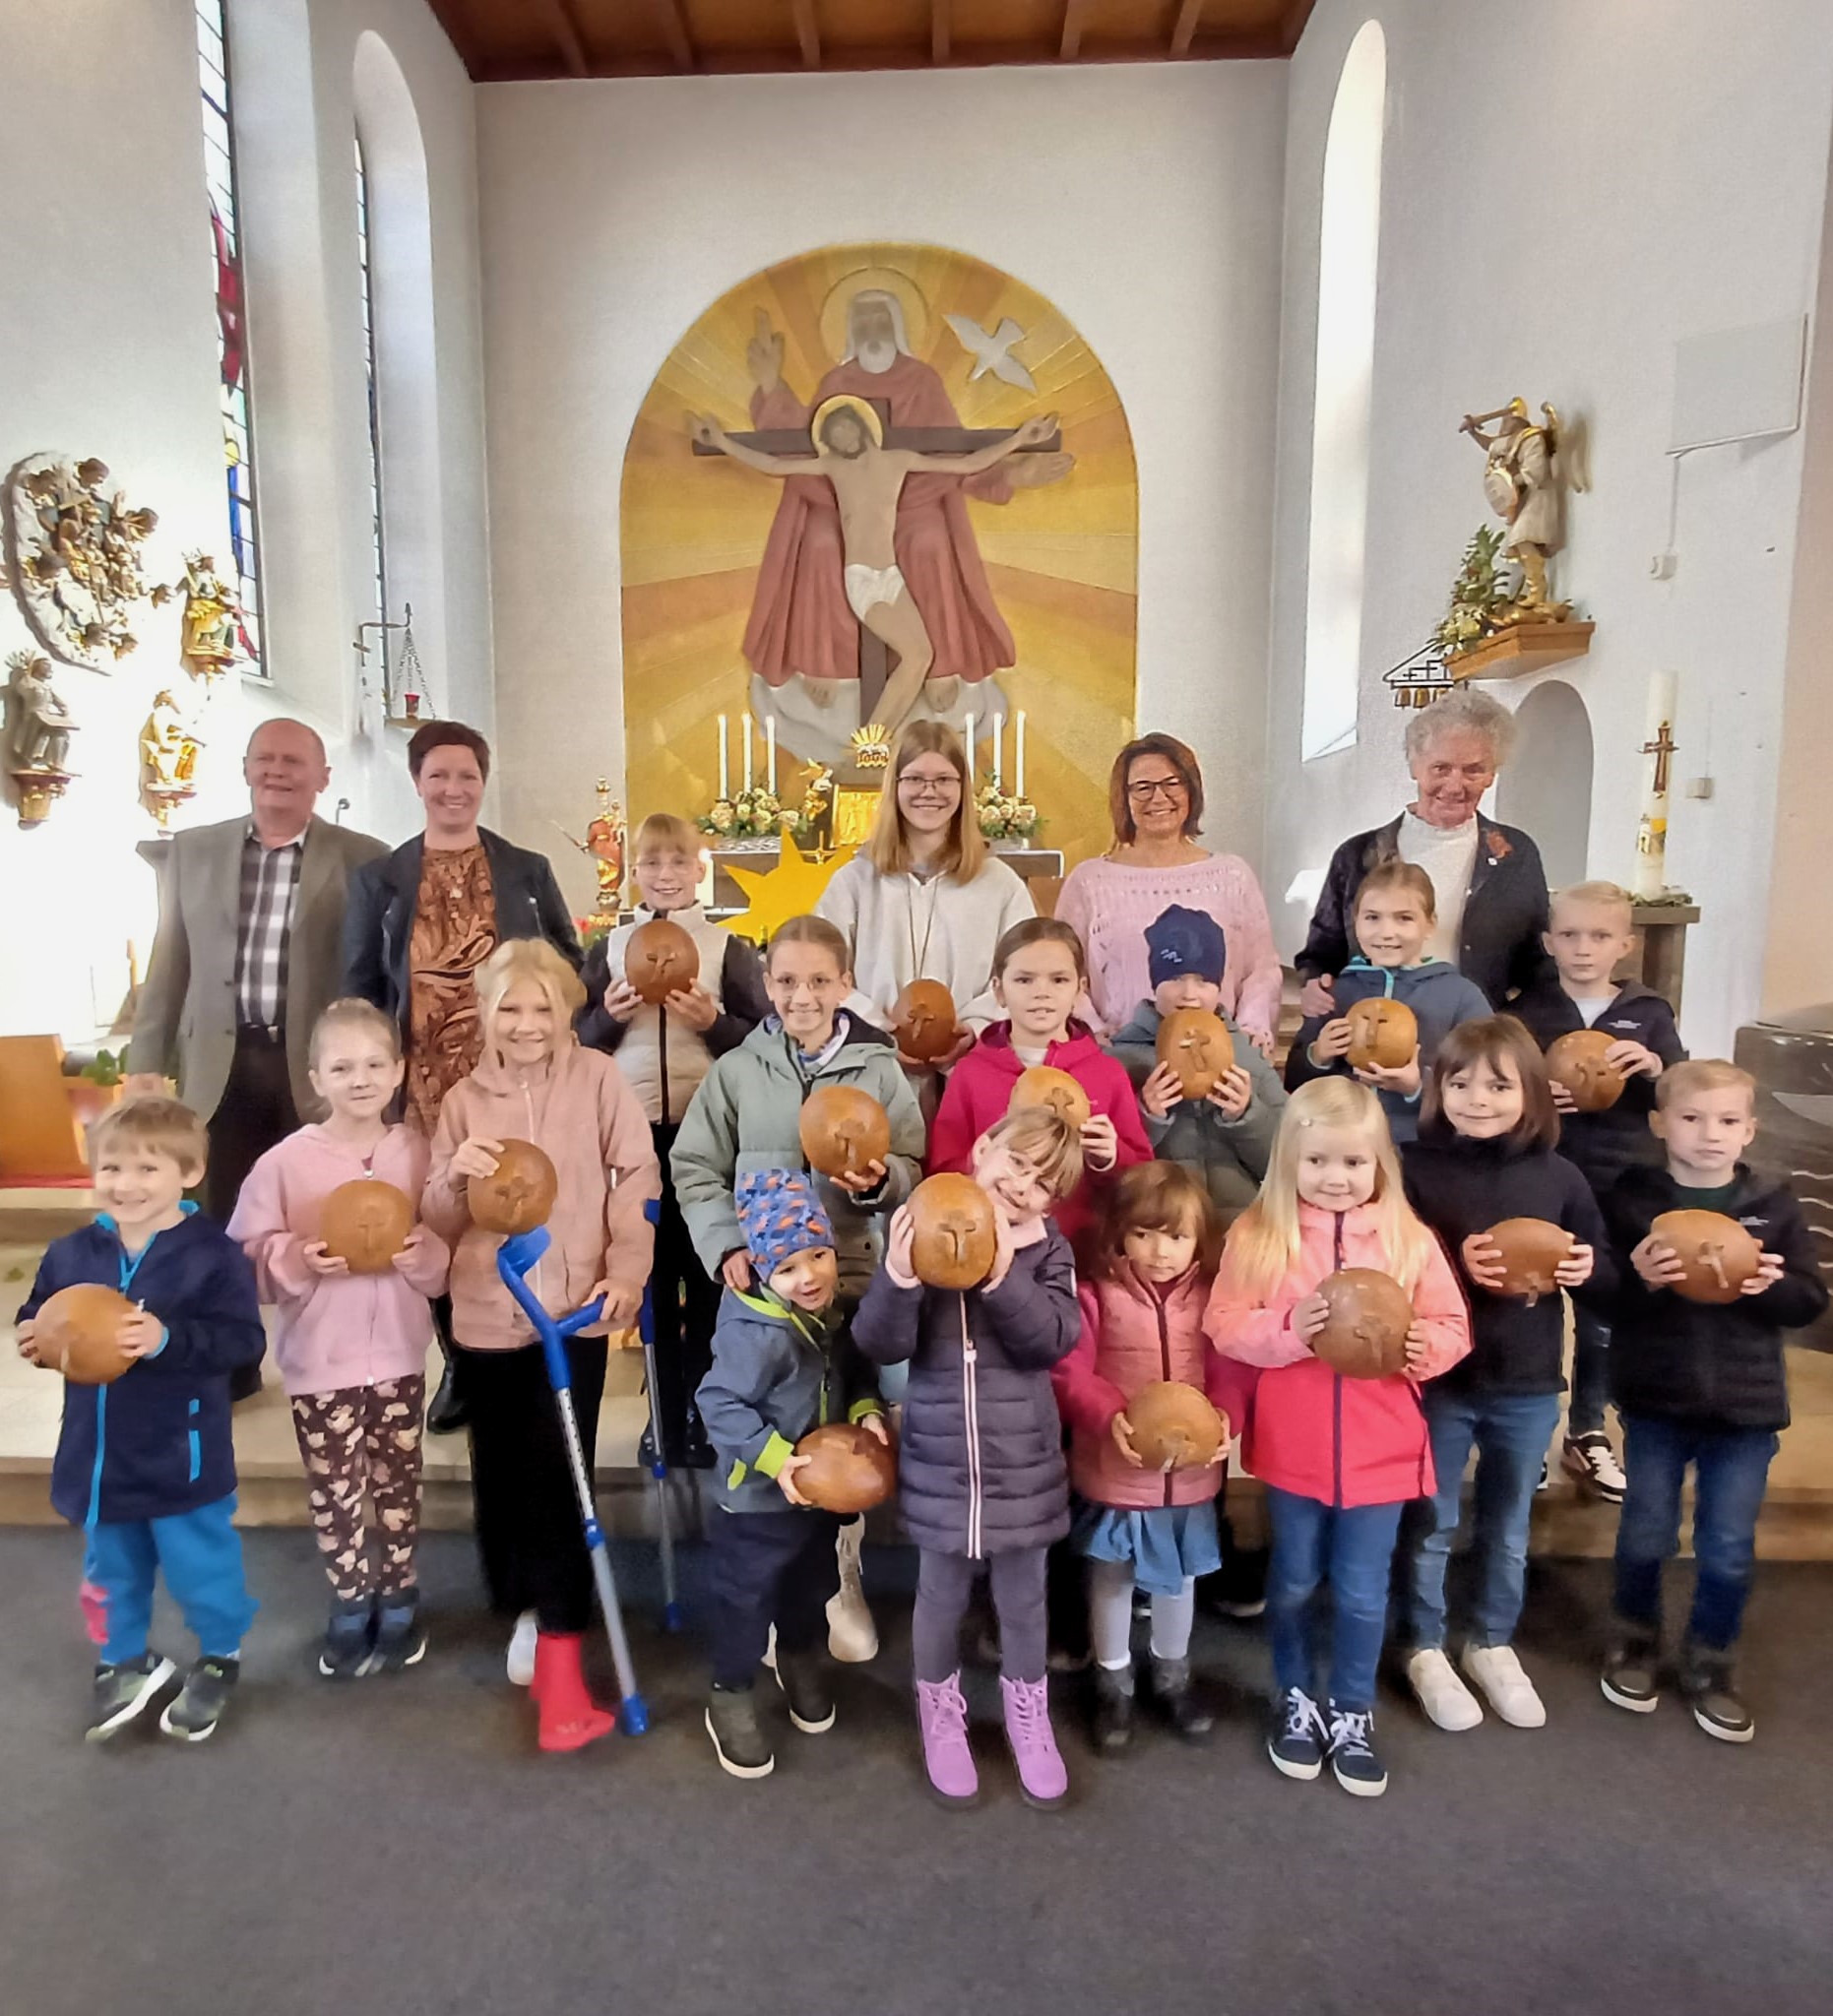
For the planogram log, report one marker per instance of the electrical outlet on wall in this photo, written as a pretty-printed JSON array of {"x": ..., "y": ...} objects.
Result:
[
  {"x": 1699, "y": 786},
  {"x": 1662, "y": 566}
]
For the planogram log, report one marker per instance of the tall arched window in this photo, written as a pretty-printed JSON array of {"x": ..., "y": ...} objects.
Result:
[
  {"x": 378, "y": 539},
  {"x": 213, "y": 65},
  {"x": 1349, "y": 248}
]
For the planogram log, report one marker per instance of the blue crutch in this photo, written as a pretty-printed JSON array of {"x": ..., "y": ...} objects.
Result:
[
  {"x": 514, "y": 1258},
  {"x": 659, "y": 1461}
]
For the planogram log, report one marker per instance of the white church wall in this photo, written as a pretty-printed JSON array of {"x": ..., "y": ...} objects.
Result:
[
  {"x": 1142, "y": 201},
  {"x": 1559, "y": 206},
  {"x": 108, "y": 346}
]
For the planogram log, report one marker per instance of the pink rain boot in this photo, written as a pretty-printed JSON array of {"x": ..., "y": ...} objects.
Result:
[
  {"x": 942, "y": 1717},
  {"x": 1042, "y": 1779}
]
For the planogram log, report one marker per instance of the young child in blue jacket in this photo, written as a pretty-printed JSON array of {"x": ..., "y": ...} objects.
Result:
[{"x": 144, "y": 1465}]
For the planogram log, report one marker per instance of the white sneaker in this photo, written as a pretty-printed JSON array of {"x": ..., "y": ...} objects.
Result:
[
  {"x": 770, "y": 1649},
  {"x": 1508, "y": 1691},
  {"x": 521, "y": 1660},
  {"x": 1591, "y": 1461},
  {"x": 851, "y": 1636},
  {"x": 1448, "y": 1703}
]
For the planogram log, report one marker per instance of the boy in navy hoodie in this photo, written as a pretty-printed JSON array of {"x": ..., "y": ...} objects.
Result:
[{"x": 145, "y": 1465}]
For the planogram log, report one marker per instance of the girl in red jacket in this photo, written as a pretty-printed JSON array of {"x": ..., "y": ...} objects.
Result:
[
  {"x": 1039, "y": 971},
  {"x": 1142, "y": 1301},
  {"x": 1341, "y": 1458}
]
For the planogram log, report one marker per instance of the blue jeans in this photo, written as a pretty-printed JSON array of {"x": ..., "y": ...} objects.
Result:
[
  {"x": 201, "y": 1555},
  {"x": 1591, "y": 1371},
  {"x": 1731, "y": 1471},
  {"x": 1511, "y": 1431},
  {"x": 1353, "y": 1548}
]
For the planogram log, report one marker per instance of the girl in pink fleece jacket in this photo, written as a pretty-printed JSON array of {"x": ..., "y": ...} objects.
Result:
[
  {"x": 351, "y": 1348},
  {"x": 534, "y": 1083},
  {"x": 1340, "y": 1458}
]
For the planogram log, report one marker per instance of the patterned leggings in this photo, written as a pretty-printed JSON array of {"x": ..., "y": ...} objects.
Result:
[{"x": 364, "y": 1443}]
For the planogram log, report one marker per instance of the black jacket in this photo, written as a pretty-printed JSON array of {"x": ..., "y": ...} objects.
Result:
[
  {"x": 1604, "y": 1145},
  {"x": 1459, "y": 1187},
  {"x": 378, "y": 918},
  {"x": 1503, "y": 916},
  {"x": 742, "y": 991},
  {"x": 1714, "y": 1366}
]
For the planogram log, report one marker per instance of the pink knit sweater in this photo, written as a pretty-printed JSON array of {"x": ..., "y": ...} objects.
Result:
[{"x": 1110, "y": 904}]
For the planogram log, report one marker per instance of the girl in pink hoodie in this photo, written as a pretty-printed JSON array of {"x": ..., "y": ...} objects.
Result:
[
  {"x": 534, "y": 1083},
  {"x": 351, "y": 1348},
  {"x": 1340, "y": 1458}
]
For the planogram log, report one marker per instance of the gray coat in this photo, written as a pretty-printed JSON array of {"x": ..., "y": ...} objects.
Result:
[
  {"x": 981, "y": 1465},
  {"x": 1229, "y": 1156},
  {"x": 747, "y": 1115}
]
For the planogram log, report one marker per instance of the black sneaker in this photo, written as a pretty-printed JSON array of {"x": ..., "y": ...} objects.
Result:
[
  {"x": 1238, "y": 1588},
  {"x": 123, "y": 1691},
  {"x": 1296, "y": 1742},
  {"x": 344, "y": 1653},
  {"x": 1352, "y": 1753},
  {"x": 1174, "y": 1697},
  {"x": 1114, "y": 1708},
  {"x": 200, "y": 1703},
  {"x": 1631, "y": 1677},
  {"x": 399, "y": 1636},
  {"x": 738, "y": 1742},
  {"x": 803, "y": 1680},
  {"x": 1706, "y": 1681}
]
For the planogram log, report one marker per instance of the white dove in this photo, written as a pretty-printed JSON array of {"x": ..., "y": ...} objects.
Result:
[{"x": 993, "y": 353}]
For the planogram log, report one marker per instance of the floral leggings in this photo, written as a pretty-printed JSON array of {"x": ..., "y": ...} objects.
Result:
[{"x": 365, "y": 1442}]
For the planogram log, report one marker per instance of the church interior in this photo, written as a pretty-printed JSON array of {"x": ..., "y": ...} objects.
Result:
[{"x": 568, "y": 369}]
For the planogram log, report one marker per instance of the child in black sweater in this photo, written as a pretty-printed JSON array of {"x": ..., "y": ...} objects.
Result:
[{"x": 1486, "y": 1154}]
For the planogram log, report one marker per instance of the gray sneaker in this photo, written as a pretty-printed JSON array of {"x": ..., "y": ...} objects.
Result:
[
  {"x": 738, "y": 1741},
  {"x": 804, "y": 1686},
  {"x": 123, "y": 1691},
  {"x": 200, "y": 1703}
]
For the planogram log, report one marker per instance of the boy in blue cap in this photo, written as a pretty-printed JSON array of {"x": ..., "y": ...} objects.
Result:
[{"x": 782, "y": 1364}]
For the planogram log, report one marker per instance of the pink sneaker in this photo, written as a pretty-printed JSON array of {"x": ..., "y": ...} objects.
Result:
[
  {"x": 1042, "y": 1778},
  {"x": 942, "y": 1717}
]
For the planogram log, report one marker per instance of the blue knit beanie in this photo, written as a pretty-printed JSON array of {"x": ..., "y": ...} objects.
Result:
[
  {"x": 1182, "y": 940},
  {"x": 781, "y": 1215}
]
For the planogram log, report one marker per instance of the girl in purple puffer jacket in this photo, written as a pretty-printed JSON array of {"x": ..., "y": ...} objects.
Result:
[{"x": 982, "y": 1478}]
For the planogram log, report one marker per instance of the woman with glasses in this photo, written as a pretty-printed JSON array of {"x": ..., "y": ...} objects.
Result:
[
  {"x": 925, "y": 900},
  {"x": 1156, "y": 798}
]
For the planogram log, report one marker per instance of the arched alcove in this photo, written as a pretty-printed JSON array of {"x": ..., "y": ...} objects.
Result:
[{"x": 1545, "y": 789}]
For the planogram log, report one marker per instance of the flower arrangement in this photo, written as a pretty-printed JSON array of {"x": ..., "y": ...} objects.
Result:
[
  {"x": 752, "y": 814},
  {"x": 1004, "y": 817},
  {"x": 1477, "y": 596}
]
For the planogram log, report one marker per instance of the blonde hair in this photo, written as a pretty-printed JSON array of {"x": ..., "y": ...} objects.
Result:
[
  {"x": 889, "y": 850},
  {"x": 1601, "y": 895},
  {"x": 354, "y": 1013},
  {"x": 527, "y": 959},
  {"x": 152, "y": 1121},
  {"x": 1694, "y": 1075},
  {"x": 666, "y": 832},
  {"x": 1263, "y": 1243},
  {"x": 1046, "y": 1141}
]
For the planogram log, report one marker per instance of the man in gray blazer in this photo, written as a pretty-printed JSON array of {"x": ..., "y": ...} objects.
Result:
[{"x": 248, "y": 952}]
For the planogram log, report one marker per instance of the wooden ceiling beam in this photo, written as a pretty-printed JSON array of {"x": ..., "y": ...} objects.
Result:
[
  {"x": 1292, "y": 23},
  {"x": 1183, "y": 33},
  {"x": 566, "y": 35},
  {"x": 449, "y": 15},
  {"x": 673, "y": 26},
  {"x": 940, "y": 26},
  {"x": 807, "y": 33},
  {"x": 1069, "y": 48}
]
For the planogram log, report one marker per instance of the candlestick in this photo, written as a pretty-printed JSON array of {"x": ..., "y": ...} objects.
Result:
[
  {"x": 770, "y": 752},
  {"x": 725, "y": 783},
  {"x": 967, "y": 737},
  {"x": 747, "y": 752},
  {"x": 1018, "y": 755},
  {"x": 1000, "y": 745},
  {"x": 1651, "y": 876}
]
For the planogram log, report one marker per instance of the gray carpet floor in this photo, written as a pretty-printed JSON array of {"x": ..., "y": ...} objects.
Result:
[{"x": 397, "y": 1845}]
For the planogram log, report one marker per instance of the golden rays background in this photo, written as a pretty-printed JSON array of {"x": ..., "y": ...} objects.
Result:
[{"x": 1062, "y": 560}]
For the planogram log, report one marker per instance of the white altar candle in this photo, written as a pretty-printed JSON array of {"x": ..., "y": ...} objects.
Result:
[
  {"x": 1651, "y": 876},
  {"x": 967, "y": 737},
  {"x": 770, "y": 752},
  {"x": 1018, "y": 755},
  {"x": 725, "y": 781},
  {"x": 747, "y": 752},
  {"x": 999, "y": 744}
]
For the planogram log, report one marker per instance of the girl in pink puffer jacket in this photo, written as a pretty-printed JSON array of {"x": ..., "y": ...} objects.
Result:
[{"x": 1143, "y": 1299}]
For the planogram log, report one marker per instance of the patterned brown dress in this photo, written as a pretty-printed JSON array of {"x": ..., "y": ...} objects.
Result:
[{"x": 453, "y": 933}]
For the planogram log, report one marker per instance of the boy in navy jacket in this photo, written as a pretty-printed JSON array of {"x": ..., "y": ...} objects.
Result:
[{"x": 144, "y": 1465}]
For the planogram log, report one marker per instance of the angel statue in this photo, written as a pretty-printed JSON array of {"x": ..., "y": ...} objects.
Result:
[
  {"x": 38, "y": 725},
  {"x": 211, "y": 617},
  {"x": 1521, "y": 478}
]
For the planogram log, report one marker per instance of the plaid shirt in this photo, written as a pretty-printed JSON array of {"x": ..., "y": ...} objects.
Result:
[{"x": 270, "y": 885}]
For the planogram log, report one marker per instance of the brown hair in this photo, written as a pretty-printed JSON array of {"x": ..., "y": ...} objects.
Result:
[
  {"x": 1037, "y": 931},
  {"x": 1493, "y": 1040},
  {"x": 888, "y": 849},
  {"x": 664, "y": 833},
  {"x": 810, "y": 931},
  {"x": 446, "y": 734},
  {"x": 152, "y": 1121},
  {"x": 1694, "y": 1075},
  {"x": 1405, "y": 876},
  {"x": 355, "y": 1013},
  {"x": 1046, "y": 1141},
  {"x": 1160, "y": 1197},
  {"x": 1182, "y": 759}
]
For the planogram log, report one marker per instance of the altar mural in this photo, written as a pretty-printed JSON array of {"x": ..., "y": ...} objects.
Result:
[{"x": 980, "y": 559}]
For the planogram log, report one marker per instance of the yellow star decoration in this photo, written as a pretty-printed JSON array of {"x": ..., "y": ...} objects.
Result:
[{"x": 791, "y": 888}]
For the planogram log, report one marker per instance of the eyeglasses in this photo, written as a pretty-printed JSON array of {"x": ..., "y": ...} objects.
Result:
[
  {"x": 1148, "y": 787},
  {"x": 929, "y": 787}
]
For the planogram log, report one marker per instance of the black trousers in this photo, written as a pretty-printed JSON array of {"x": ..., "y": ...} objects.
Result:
[
  {"x": 255, "y": 1113},
  {"x": 686, "y": 1305},
  {"x": 769, "y": 1568},
  {"x": 530, "y": 1534}
]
